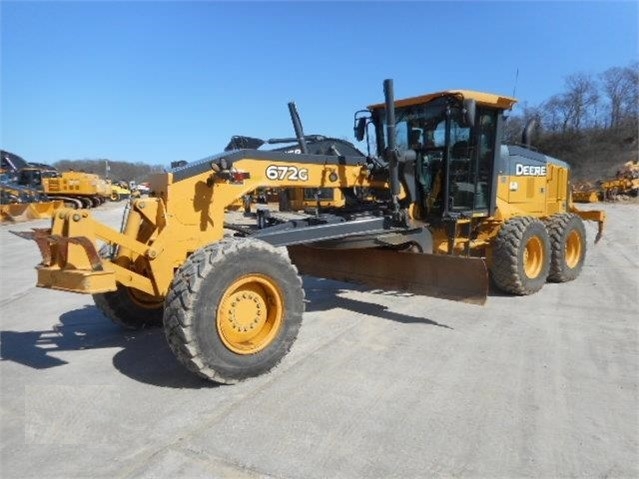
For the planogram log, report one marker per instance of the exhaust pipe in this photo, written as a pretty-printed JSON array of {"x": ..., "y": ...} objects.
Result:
[
  {"x": 526, "y": 135},
  {"x": 391, "y": 149},
  {"x": 297, "y": 125}
]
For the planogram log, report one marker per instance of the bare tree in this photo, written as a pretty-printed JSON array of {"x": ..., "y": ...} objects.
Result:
[
  {"x": 583, "y": 97},
  {"x": 513, "y": 128},
  {"x": 630, "y": 105},
  {"x": 617, "y": 85},
  {"x": 574, "y": 109},
  {"x": 558, "y": 113}
]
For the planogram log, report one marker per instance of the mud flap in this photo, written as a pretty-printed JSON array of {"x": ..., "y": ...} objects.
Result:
[{"x": 440, "y": 276}]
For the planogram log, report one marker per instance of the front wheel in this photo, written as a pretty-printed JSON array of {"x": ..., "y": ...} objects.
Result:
[
  {"x": 130, "y": 308},
  {"x": 234, "y": 310},
  {"x": 521, "y": 256}
]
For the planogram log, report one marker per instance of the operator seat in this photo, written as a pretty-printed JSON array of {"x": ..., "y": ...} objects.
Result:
[{"x": 460, "y": 150}]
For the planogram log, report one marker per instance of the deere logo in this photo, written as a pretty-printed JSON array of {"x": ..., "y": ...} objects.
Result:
[{"x": 528, "y": 170}]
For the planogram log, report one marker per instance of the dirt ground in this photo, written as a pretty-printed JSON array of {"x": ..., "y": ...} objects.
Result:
[{"x": 377, "y": 384}]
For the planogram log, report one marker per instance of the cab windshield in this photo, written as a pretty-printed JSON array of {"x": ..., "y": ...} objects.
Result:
[
  {"x": 454, "y": 161},
  {"x": 424, "y": 126}
]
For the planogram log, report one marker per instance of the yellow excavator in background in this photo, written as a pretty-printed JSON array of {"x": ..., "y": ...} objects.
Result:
[
  {"x": 76, "y": 189},
  {"x": 445, "y": 204}
]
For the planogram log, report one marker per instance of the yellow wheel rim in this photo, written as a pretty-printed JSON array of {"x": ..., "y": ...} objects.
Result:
[
  {"x": 250, "y": 314},
  {"x": 573, "y": 249},
  {"x": 533, "y": 257}
]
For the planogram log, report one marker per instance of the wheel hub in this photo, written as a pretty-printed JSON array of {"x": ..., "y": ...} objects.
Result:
[
  {"x": 246, "y": 311},
  {"x": 533, "y": 257},
  {"x": 250, "y": 314},
  {"x": 573, "y": 249}
]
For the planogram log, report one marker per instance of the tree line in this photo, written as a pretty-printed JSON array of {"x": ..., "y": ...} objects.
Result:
[
  {"x": 115, "y": 170},
  {"x": 592, "y": 124},
  {"x": 607, "y": 101}
]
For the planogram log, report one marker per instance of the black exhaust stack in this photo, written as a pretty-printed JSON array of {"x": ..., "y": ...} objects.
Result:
[
  {"x": 526, "y": 135},
  {"x": 391, "y": 149},
  {"x": 297, "y": 125}
]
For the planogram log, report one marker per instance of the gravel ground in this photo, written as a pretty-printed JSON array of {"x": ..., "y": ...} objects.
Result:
[{"x": 377, "y": 384}]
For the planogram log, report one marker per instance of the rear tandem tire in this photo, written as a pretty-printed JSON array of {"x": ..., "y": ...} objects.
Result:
[
  {"x": 568, "y": 246},
  {"x": 521, "y": 256},
  {"x": 234, "y": 310},
  {"x": 130, "y": 309}
]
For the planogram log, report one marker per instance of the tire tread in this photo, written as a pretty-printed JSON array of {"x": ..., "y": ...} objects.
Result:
[{"x": 180, "y": 302}]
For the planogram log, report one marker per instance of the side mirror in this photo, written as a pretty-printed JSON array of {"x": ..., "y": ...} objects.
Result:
[
  {"x": 360, "y": 128},
  {"x": 469, "y": 112}
]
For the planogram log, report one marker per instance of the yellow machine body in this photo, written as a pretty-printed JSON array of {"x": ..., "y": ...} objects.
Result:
[
  {"x": 182, "y": 216},
  {"x": 76, "y": 183},
  {"x": 161, "y": 231},
  {"x": 442, "y": 204}
]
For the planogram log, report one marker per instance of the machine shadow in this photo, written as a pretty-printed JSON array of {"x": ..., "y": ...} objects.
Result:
[
  {"x": 323, "y": 295},
  {"x": 144, "y": 355}
]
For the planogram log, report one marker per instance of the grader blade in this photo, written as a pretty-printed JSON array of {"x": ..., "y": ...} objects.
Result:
[{"x": 447, "y": 277}]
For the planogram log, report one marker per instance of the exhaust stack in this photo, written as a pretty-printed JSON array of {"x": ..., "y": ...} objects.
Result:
[
  {"x": 297, "y": 125},
  {"x": 391, "y": 148},
  {"x": 526, "y": 135}
]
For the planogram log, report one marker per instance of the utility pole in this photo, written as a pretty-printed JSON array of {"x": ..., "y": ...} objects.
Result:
[{"x": 106, "y": 169}]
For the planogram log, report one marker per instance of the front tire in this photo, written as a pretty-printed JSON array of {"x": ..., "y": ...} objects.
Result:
[
  {"x": 130, "y": 308},
  {"x": 568, "y": 246},
  {"x": 234, "y": 310},
  {"x": 521, "y": 256}
]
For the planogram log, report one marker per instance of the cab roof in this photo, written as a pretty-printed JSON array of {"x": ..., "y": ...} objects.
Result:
[{"x": 486, "y": 99}]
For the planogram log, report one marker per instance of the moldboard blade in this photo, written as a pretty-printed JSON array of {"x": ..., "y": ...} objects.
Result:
[{"x": 440, "y": 276}]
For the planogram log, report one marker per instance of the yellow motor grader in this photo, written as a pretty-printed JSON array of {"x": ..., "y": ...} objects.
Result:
[{"x": 445, "y": 204}]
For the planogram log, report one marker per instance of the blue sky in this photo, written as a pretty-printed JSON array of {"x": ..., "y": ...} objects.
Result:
[{"x": 162, "y": 81}]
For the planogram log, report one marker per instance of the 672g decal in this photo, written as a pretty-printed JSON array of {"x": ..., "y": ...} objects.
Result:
[{"x": 292, "y": 173}]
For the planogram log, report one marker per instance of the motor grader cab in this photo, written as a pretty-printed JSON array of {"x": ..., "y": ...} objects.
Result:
[
  {"x": 508, "y": 204},
  {"x": 445, "y": 203}
]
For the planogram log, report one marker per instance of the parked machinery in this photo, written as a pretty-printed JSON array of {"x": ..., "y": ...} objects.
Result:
[
  {"x": 19, "y": 202},
  {"x": 119, "y": 190},
  {"x": 76, "y": 188},
  {"x": 625, "y": 183}
]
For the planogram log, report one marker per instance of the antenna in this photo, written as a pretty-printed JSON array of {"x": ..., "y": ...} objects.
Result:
[{"x": 516, "y": 78}]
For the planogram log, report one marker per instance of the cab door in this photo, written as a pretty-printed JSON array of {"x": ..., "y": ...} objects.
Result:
[{"x": 471, "y": 156}]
